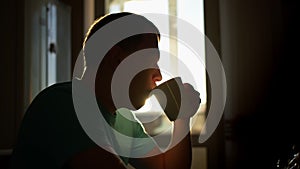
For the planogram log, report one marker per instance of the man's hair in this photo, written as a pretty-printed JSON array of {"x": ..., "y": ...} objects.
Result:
[{"x": 127, "y": 43}]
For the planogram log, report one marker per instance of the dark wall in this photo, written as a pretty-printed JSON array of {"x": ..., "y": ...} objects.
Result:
[
  {"x": 215, "y": 144},
  {"x": 12, "y": 52},
  {"x": 259, "y": 41}
]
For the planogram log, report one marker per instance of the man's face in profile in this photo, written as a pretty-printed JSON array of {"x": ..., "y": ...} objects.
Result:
[{"x": 145, "y": 80}]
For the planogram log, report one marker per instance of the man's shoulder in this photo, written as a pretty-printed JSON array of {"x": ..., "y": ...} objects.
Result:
[
  {"x": 58, "y": 88},
  {"x": 67, "y": 85},
  {"x": 57, "y": 91},
  {"x": 52, "y": 101}
]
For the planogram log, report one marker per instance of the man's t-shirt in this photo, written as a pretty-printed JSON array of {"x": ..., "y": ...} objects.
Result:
[{"x": 50, "y": 132}]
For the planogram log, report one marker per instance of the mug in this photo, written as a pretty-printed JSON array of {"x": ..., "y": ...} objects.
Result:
[{"x": 169, "y": 97}]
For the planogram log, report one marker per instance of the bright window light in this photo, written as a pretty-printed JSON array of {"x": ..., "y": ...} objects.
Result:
[{"x": 190, "y": 11}]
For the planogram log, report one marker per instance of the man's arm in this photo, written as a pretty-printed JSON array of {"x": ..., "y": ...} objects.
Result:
[
  {"x": 179, "y": 153},
  {"x": 178, "y": 156}
]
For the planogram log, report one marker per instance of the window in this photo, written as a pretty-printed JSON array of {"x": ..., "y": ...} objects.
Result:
[
  {"x": 47, "y": 46},
  {"x": 190, "y": 11},
  {"x": 51, "y": 43}
]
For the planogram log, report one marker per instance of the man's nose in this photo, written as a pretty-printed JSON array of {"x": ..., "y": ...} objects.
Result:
[{"x": 157, "y": 75}]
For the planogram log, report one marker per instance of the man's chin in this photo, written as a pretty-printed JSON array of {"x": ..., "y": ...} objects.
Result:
[
  {"x": 139, "y": 104},
  {"x": 137, "y": 107}
]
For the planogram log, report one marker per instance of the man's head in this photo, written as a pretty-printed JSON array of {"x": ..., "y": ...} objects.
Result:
[{"x": 144, "y": 81}]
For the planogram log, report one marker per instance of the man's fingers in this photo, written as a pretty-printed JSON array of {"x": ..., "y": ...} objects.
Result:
[{"x": 190, "y": 89}]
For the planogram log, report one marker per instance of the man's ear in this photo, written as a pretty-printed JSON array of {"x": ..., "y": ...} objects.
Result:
[{"x": 115, "y": 55}]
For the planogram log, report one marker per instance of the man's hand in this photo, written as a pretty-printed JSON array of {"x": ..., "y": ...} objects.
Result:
[
  {"x": 179, "y": 100},
  {"x": 190, "y": 101}
]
